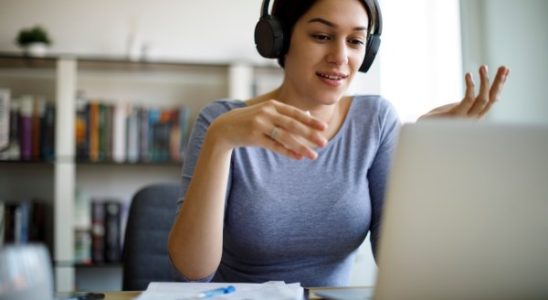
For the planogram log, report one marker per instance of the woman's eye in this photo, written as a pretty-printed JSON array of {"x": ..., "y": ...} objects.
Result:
[
  {"x": 356, "y": 42},
  {"x": 320, "y": 37}
]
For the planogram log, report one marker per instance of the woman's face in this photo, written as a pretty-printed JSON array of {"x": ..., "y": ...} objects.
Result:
[{"x": 326, "y": 50}]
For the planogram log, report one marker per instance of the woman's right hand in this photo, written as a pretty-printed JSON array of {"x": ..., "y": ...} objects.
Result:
[{"x": 271, "y": 124}]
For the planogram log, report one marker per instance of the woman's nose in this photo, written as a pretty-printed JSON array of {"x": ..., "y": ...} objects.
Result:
[{"x": 338, "y": 53}]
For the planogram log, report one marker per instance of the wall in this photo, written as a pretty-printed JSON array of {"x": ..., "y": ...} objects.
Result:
[
  {"x": 512, "y": 33},
  {"x": 201, "y": 30}
]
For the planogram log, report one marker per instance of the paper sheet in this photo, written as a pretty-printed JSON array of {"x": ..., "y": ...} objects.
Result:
[{"x": 271, "y": 290}]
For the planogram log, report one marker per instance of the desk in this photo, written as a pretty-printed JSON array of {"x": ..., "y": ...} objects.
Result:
[{"x": 131, "y": 295}]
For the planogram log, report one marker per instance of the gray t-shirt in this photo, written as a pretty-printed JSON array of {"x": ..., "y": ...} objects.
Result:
[{"x": 302, "y": 221}]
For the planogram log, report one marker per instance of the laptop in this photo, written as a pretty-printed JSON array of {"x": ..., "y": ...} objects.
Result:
[{"x": 466, "y": 213}]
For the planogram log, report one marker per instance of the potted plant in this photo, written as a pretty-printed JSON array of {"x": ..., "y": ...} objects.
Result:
[{"x": 34, "y": 40}]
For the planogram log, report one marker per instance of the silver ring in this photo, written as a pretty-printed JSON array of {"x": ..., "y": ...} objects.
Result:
[{"x": 274, "y": 132}]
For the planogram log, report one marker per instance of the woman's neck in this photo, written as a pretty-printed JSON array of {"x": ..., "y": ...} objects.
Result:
[{"x": 323, "y": 112}]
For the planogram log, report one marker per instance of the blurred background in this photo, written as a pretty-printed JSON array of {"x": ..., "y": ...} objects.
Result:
[{"x": 167, "y": 57}]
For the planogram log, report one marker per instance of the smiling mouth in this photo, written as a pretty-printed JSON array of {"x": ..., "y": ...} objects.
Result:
[{"x": 332, "y": 76}]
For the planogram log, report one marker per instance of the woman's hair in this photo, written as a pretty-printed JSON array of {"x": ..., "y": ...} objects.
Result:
[{"x": 288, "y": 12}]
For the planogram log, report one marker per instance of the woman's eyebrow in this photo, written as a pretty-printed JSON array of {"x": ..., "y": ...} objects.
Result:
[{"x": 333, "y": 25}]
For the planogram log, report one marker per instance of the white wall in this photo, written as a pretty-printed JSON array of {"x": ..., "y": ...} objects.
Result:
[
  {"x": 513, "y": 33},
  {"x": 420, "y": 55},
  {"x": 212, "y": 30}
]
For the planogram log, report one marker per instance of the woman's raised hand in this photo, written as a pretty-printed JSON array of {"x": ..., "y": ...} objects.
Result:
[
  {"x": 472, "y": 105},
  {"x": 271, "y": 124}
]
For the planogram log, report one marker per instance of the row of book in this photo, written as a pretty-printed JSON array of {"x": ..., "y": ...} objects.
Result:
[
  {"x": 118, "y": 132},
  {"x": 99, "y": 227},
  {"x": 127, "y": 133},
  {"x": 27, "y": 127},
  {"x": 24, "y": 222}
]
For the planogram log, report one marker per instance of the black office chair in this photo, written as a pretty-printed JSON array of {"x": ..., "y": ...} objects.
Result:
[{"x": 145, "y": 256}]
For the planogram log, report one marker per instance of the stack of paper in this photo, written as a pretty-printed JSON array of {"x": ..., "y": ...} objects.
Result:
[{"x": 278, "y": 290}]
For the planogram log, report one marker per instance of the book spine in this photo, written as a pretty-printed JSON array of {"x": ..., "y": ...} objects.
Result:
[
  {"x": 37, "y": 116},
  {"x": 112, "y": 231},
  {"x": 109, "y": 130},
  {"x": 103, "y": 132},
  {"x": 48, "y": 133},
  {"x": 13, "y": 151},
  {"x": 82, "y": 246},
  {"x": 9, "y": 223},
  {"x": 133, "y": 135},
  {"x": 2, "y": 223},
  {"x": 4, "y": 118},
  {"x": 120, "y": 116},
  {"x": 97, "y": 232},
  {"x": 37, "y": 222},
  {"x": 94, "y": 131},
  {"x": 153, "y": 134},
  {"x": 81, "y": 129},
  {"x": 143, "y": 135},
  {"x": 25, "y": 133}
]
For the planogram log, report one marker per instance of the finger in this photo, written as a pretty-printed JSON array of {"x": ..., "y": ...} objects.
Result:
[
  {"x": 291, "y": 142},
  {"x": 494, "y": 93},
  {"x": 279, "y": 148},
  {"x": 312, "y": 136},
  {"x": 483, "y": 97},
  {"x": 464, "y": 106},
  {"x": 300, "y": 115}
]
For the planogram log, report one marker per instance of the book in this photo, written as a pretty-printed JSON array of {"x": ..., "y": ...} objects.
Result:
[
  {"x": 93, "y": 131},
  {"x": 4, "y": 118},
  {"x": 97, "y": 231},
  {"x": 82, "y": 246},
  {"x": 12, "y": 152},
  {"x": 144, "y": 121},
  {"x": 132, "y": 136},
  {"x": 25, "y": 126},
  {"x": 48, "y": 133},
  {"x": 112, "y": 231},
  {"x": 2, "y": 223},
  {"x": 81, "y": 128},
  {"x": 24, "y": 222},
  {"x": 119, "y": 132},
  {"x": 38, "y": 111}
]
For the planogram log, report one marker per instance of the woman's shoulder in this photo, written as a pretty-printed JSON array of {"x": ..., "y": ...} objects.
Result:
[
  {"x": 375, "y": 105},
  {"x": 373, "y": 102},
  {"x": 219, "y": 107}
]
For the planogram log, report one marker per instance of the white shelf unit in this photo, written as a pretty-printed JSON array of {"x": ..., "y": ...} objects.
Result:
[{"x": 161, "y": 84}]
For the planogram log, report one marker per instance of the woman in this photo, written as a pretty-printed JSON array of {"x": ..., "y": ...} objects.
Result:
[{"x": 287, "y": 185}]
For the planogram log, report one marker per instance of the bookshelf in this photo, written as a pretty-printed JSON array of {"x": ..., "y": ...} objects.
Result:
[{"x": 61, "y": 79}]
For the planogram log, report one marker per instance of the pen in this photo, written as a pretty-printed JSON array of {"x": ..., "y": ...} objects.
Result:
[{"x": 217, "y": 292}]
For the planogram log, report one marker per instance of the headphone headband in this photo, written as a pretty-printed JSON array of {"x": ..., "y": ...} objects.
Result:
[
  {"x": 270, "y": 40},
  {"x": 264, "y": 8}
]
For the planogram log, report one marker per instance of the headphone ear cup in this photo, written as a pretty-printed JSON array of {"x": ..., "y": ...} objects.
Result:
[
  {"x": 373, "y": 44},
  {"x": 269, "y": 37}
]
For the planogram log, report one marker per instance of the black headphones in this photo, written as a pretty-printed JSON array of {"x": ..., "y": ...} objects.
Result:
[{"x": 269, "y": 35}]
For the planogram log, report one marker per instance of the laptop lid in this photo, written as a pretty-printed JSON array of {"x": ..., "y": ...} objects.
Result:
[{"x": 466, "y": 213}]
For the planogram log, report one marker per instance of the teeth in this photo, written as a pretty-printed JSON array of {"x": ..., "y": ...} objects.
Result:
[{"x": 331, "y": 77}]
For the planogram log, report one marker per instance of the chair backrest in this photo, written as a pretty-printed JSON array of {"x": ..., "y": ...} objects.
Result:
[{"x": 145, "y": 256}]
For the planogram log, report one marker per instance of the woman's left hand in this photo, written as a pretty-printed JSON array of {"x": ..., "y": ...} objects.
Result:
[{"x": 472, "y": 105}]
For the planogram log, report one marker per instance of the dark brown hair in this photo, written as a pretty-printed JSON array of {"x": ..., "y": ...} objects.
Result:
[{"x": 288, "y": 12}]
